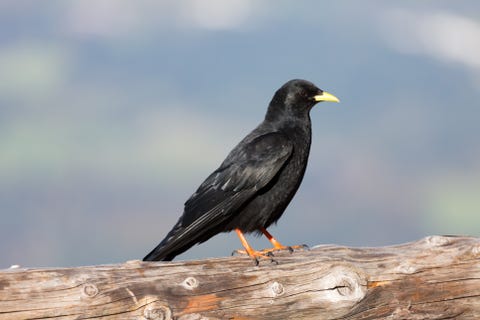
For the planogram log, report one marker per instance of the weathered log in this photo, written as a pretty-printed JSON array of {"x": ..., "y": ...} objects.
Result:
[{"x": 433, "y": 278}]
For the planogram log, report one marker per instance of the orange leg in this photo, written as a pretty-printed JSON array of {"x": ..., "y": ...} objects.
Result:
[
  {"x": 250, "y": 251},
  {"x": 277, "y": 245}
]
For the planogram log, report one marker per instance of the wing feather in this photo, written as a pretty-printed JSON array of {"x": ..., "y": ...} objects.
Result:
[{"x": 248, "y": 168}]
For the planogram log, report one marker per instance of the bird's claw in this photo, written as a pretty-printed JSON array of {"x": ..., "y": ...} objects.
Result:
[
  {"x": 300, "y": 247},
  {"x": 291, "y": 249},
  {"x": 257, "y": 255},
  {"x": 269, "y": 256},
  {"x": 271, "y": 252}
]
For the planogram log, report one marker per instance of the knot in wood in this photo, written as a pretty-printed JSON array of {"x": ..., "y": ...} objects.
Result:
[
  {"x": 157, "y": 311},
  {"x": 345, "y": 287},
  {"x": 190, "y": 283},
  {"x": 475, "y": 250},
  {"x": 437, "y": 241},
  {"x": 343, "y": 283},
  {"x": 277, "y": 288},
  {"x": 406, "y": 267},
  {"x": 90, "y": 290}
]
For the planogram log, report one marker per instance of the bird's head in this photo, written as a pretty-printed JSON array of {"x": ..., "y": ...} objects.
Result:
[{"x": 296, "y": 98}]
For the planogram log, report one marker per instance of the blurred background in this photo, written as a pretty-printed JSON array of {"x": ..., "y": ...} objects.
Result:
[{"x": 113, "y": 112}]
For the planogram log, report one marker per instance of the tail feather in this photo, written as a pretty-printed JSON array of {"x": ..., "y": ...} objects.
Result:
[
  {"x": 194, "y": 228},
  {"x": 164, "y": 250},
  {"x": 158, "y": 254}
]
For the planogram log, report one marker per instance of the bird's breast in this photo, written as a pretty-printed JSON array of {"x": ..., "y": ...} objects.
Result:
[{"x": 269, "y": 203}]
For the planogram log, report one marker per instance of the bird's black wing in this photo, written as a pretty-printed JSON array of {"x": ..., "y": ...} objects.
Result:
[{"x": 248, "y": 168}]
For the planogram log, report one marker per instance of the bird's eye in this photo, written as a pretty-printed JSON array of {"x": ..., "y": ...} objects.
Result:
[{"x": 304, "y": 94}]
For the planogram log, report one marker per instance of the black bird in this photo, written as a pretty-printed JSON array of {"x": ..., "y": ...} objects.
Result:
[{"x": 255, "y": 183}]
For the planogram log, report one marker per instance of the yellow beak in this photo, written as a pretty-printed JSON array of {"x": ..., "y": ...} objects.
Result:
[{"x": 325, "y": 96}]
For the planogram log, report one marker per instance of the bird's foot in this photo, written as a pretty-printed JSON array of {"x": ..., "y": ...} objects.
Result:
[
  {"x": 270, "y": 251},
  {"x": 257, "y": 256},
  {"x": 268, "y": 254},
  {"x": 291, "y": 249},
  {"x": 299, "y": 247}
]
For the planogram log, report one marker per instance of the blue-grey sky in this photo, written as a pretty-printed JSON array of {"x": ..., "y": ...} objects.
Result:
[{"x": 113, "y": 112}]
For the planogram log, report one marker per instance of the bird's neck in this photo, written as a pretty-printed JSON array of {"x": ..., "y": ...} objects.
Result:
[
  {"x": 283, "y": 120},
  {"x": 282, "y": 116}
]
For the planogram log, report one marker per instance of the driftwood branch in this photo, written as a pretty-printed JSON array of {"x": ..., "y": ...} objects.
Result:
[{"x": 434, "y": 278}]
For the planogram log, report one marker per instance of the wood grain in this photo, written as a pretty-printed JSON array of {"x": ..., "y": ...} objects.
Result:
[{"x": 433, "y": 278}]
